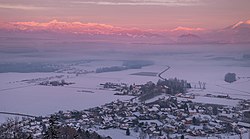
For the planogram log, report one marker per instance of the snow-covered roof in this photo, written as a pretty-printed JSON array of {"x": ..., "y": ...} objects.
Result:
[{"x": 244, "y": 124}]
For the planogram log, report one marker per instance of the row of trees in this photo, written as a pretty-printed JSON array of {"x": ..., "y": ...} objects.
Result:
[
  {"x": 110, "y": 69},
  {"x": 126, "y": 65},
  {"x": 175, "y": 85},
  {"x": 55, "y": 131},
  {"x": 170, "y": 86},
  {"x": 12, "y": 129}
]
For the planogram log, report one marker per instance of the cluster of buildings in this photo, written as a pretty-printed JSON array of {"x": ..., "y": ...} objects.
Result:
[
  {"x": 165, "y": 117},
  {"x": 55, "y": 83}
]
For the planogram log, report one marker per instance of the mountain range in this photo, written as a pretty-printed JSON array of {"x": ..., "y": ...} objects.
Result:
[{"x": 236, "y": 33}]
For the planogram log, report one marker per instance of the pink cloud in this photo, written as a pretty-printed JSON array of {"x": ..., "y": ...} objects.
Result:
[
  {"x": 248, "y": 22},
  {"x": 180, "y": 28},
  {"x": 58, "y": 23},
  {"x": 74, "y": 28}
]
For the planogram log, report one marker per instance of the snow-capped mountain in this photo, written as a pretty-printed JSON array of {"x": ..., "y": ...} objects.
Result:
[
  {"x": 236, "y": 33},
  {"x": 240, "y": 25},
  {"x": 78, "y": 28}
]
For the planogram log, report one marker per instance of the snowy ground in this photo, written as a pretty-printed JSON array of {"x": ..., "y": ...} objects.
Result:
[
  {"x": 213, "y": 75},
  {"x": 118, "y": 134},
  {"x": 28, "y": 97},
  {"x": 213, "y": 100},
  {"x": 20, "y": 96}
]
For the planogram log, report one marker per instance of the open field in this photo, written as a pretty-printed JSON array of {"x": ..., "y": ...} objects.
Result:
[
  {"x": 18, "y": 91},
  {"x": 22, "y": 92}
]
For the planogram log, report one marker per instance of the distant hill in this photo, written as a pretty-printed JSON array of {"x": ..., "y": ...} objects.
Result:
[
  {"x": 236, "y": 33},
  {"x": 189, "y": 38}
]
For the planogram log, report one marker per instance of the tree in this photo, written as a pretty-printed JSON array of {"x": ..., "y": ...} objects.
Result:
[
  {"x": 12, "y": 129},
  {"x": 200, "y": 84},
  {"x": 130, "y": 87},
  {"x": 53, "y": 129},
  {"x": 194, "y": 120},
  {"x": 87, "y": 134},
  {"x": 127, "y": 132},
  {"x": 29, "y": 137},
  {"x": 230, "y": 77},
  {"x": 142, "y": 134},
  {"x": 228, "y": 127},
  {"x": 185, "y": 107},
  {"x": 136, "y": 129},
  {"x": 160, "y": 133},
  {"x": 189, "y": 85},
  {"x": 215, "y": 110},
  {"x": 203, "y": 85},
  {"x": 67, "y": 132}
]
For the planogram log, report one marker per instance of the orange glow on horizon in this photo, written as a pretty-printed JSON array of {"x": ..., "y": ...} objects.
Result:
[
  {"x": 79, "y": 26},
  {"x": 56, "y": 22},
  {"x": 180, "y": 28}
]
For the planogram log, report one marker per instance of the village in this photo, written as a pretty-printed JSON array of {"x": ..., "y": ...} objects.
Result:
[{"x": 164, "y": 118}]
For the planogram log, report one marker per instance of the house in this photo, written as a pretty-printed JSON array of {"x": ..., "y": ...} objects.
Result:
[
  {"x": 243, "y": 124},
  {"x": 188, "y": 120}
]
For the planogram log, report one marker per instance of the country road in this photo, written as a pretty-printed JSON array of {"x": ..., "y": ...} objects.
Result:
[
  {"x": 13, "y": 88},
  {"x": 159, "y": 75},
  {"x": 18, "y": 114},
  {"x": 233, "y": 89}
]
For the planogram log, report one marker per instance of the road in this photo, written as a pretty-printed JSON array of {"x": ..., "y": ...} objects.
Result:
[
  {"x": 160, "y": 74},
  {"x": 18, "y": 114},
  {"x": 12, "y": 88},
  {"x": 233, "y": 89}
]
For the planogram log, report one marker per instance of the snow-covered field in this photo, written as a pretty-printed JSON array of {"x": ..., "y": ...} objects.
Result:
[
  {"x": 20, "y": 92},
  {"x": 118, "y": 133},
  {"x": 213, "y": 76},
  {"x": 20, "y": 95}
]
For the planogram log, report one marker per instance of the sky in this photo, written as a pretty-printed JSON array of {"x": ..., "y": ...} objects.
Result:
[{"x": 148, "y": 14}]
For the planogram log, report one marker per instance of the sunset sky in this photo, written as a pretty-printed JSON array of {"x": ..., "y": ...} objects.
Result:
[{"x": 149, "y": 14}]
